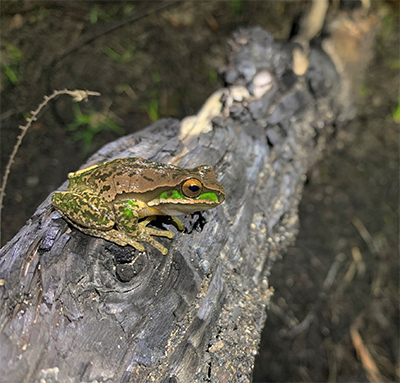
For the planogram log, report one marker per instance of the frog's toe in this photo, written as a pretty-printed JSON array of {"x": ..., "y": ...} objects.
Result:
[
  {"x": 159, "y": 233},
  {"x": 178, "y": 222},
  {"x": 167, "y": 234},
  {"x": 158, "y": 246},
  {"x": 136, "y": 245}
]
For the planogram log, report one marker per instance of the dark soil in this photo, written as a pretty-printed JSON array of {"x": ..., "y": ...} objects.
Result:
[{"x": 344, "y": 269}]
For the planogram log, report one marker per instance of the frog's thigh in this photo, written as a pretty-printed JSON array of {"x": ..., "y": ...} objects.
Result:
[
  {"x": 127, "y": 216},
  {"x": 84, "y": 209}
]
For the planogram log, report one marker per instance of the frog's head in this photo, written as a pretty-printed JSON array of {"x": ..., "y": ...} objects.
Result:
[{"x": 196, "y": 190}]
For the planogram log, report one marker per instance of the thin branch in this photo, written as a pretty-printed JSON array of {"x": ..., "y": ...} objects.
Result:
[
  {"x": 78, "y": 96},
  {"x": 112, "y": 27},
  {"x": 365, "y": 235}
]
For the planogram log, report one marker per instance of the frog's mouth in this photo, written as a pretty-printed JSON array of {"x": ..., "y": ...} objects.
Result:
[
  {"x": 173, "y": 202},
  {"x": 180, "y": 207}
]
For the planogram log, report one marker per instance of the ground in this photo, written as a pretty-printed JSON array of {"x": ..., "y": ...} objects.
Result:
[{"x": 342, "y": 275}]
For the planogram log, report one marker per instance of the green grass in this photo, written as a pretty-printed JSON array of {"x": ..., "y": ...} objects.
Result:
[
  {"x": 10, "y": 63},
  {"x": 124, "y": 56},
  {"x": 396, "y": 112},
  {"x": 86, "y": 126}
]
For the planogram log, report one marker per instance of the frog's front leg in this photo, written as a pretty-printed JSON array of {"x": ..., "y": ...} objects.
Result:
[{"x": 126, "y": 213}]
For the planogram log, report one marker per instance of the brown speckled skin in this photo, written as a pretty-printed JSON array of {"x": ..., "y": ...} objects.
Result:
[{"x": 138, "y": 175}]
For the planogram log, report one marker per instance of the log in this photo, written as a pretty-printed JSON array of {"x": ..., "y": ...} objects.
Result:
[{"x": 76, "y": 308}]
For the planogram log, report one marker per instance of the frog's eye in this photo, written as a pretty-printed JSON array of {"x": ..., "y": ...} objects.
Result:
[{"x": 192, "y": 188}]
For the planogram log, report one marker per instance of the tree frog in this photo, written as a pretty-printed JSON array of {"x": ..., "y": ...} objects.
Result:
[{"x": 116, "y": 200}]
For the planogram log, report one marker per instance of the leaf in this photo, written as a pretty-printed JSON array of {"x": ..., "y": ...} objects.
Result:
[
  {"x": 12, "y": 75},
  {"x": 396, "y": 113},
  {"x": 14, "y": 52},
  {"x": 94, "y": 15}
]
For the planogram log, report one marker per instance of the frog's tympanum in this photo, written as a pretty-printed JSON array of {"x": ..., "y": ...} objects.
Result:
[{"x": 116, "y": 200}]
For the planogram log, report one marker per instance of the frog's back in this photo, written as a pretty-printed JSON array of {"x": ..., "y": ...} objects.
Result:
[{"x": 127, "y": 175}]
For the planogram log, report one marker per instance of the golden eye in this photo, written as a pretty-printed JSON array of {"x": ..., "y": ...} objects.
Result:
[{"x": 192, "y": 188}]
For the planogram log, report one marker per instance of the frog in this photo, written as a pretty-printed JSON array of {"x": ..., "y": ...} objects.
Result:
[{"x": 116, "y": 200}]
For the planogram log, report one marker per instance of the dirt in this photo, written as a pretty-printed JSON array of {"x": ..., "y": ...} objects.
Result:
[
  {"x": 342, "y": 276},
  {"x": 337, "y": 291}
]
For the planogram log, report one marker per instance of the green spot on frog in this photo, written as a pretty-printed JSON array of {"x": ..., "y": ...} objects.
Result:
[
  {"x": 132, "y": 203},
  {"x": 212, "y": 197},
  {"x": 171, "y": 194},
  {"x": 128, "y": 214}
]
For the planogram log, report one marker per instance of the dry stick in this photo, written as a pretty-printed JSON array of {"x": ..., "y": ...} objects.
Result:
[
  {"x": 310, "y": 317},
  {"x": 78, "y": 96},
  {"x": 369, "y": 365},
  {"x": 366, "y": 236}
]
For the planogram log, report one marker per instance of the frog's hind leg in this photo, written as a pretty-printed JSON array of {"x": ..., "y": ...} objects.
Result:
[
  {"x": 84, "y": 210},
  {"x": 158, "y": 233}
]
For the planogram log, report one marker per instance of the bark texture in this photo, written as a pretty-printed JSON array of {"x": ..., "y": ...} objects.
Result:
[{"x": 75, "y": 308}]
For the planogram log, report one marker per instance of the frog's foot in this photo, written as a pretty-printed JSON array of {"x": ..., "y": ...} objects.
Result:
[
  {"x": 118, "y": 237},
  {"x": 146, "y": 221},
  {"x": 163, "y": 250},
  {"x": 144, "y": 230},
  {"x": 145, "y": 234}
]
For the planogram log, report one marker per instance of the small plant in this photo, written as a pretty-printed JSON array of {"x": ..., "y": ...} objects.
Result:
[
  {"x": 152, "y": 106},
  {"x": 364, "y": 91},
  {"x": 152, "y": 110},
  {"x": 91, "y": 123},
  {"x": 113, "y": 11},
  {"x": 11, "y": 64},
  {"x": 396, "y": 113},
  {"x": 124, "y": 56},
  {"x": 394, "y": 64},
  {"x": 213, "y": 76},
  {"x": 236, "y": 6},
  {"x": 387, "y": 25}
]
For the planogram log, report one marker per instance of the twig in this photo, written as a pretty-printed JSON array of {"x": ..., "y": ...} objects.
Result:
[
  {"x": 78, "y": 96},
  {"x": 366, "y": 236},
  {"x": 310, "y": 317},
  {"x": 370, "y": 367}
]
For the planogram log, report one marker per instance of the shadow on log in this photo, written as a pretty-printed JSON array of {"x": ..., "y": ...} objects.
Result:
[{"x": 75, "y": 308}]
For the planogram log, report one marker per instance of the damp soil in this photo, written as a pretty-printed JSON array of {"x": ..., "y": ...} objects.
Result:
[{"x": 151, "y": 60}]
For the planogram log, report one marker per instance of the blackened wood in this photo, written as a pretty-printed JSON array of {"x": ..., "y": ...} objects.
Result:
[{"x": 78, "y": 309}]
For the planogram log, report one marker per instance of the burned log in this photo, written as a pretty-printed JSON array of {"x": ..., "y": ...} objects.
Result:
[{"x": 78, "y": 308}]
